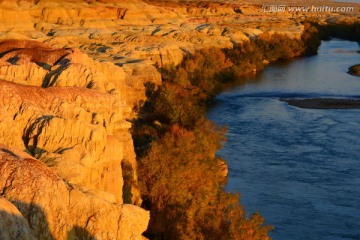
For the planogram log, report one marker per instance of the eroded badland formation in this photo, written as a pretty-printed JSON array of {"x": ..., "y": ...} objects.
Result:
[{"x": 70, "y": 74}]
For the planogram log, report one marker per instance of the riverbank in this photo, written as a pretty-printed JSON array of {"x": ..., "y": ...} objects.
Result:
[
  {"x": 106, "y": 51},
  {"x": 173, "y": 131},
  {"x": 290, "y": 163},
  {"x": 176, "y": 109}
]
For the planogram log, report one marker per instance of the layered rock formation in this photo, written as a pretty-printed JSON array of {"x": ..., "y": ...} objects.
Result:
[
  {"x": 67, "y": 161},
  {"x": 140, "y": 32},
  {"x": 69, "y": 112},
  {"x": 81, "y": 133},
  {"x": 54, "y": 209},
  {"x": 127, "y": 32}
]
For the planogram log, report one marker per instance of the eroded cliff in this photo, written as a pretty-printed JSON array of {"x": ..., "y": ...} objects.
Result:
[
  {"x": 49, "y": 208},
  {"x": 69, "y": 78},
  {"x": 69, "y": 112},
  {"x": 146, "y": 32}
]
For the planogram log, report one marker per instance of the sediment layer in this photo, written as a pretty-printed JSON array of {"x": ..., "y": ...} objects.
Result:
[{"x": 70, "y": 74}]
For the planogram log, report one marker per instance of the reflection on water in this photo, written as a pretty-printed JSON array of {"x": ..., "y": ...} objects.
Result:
[{"x": 299, "y": 167}]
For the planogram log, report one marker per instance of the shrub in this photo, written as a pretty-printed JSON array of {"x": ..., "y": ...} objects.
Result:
[
  {"x": 246, "y": 58},
  {"x": 205, "y": 68},
  {"x": 311, "y": 39},
  {"x": 179, "y": 174},
  {"x": 186, "y": 200}
]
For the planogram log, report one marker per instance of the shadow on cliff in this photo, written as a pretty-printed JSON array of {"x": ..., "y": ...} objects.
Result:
[
  {"x": 39, "y": 226},
  {"x": 32, "y": 219},
  {"x": 36, "y": 218},
  {"x": 79, "y": 233}
]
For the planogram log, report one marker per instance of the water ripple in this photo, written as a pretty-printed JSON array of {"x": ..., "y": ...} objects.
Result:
[{"x": 298, "y": 167}]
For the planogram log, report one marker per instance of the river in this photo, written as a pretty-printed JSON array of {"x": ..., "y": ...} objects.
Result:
[{"x": 300, "y": 168}]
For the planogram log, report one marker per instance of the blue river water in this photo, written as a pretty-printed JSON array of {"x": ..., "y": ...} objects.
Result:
[{"x": 300, "y": 168}]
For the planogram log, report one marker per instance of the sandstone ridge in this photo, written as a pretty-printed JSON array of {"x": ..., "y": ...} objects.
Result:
[
  {"x": 69, "y": 112},
  {"x": 125, "y": 32},
  {"x": 137, "y": 32},
  {"x": 70, "y": 74},
  {"x": 56, "y": 210}
]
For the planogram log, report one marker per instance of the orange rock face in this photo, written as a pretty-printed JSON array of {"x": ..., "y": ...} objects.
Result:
[
  {"x": 69, "y": 112},
  {"x": 70, "y": 73},
  {"x": 56, "y": 210},
  {"x": 81, "y": 133},
  {"x": 13, "y": 225}
]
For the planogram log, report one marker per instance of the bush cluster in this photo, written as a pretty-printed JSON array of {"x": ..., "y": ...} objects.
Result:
[
  {"x": 344, "y": 30},
  {"x": 180, "y": 176}
]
